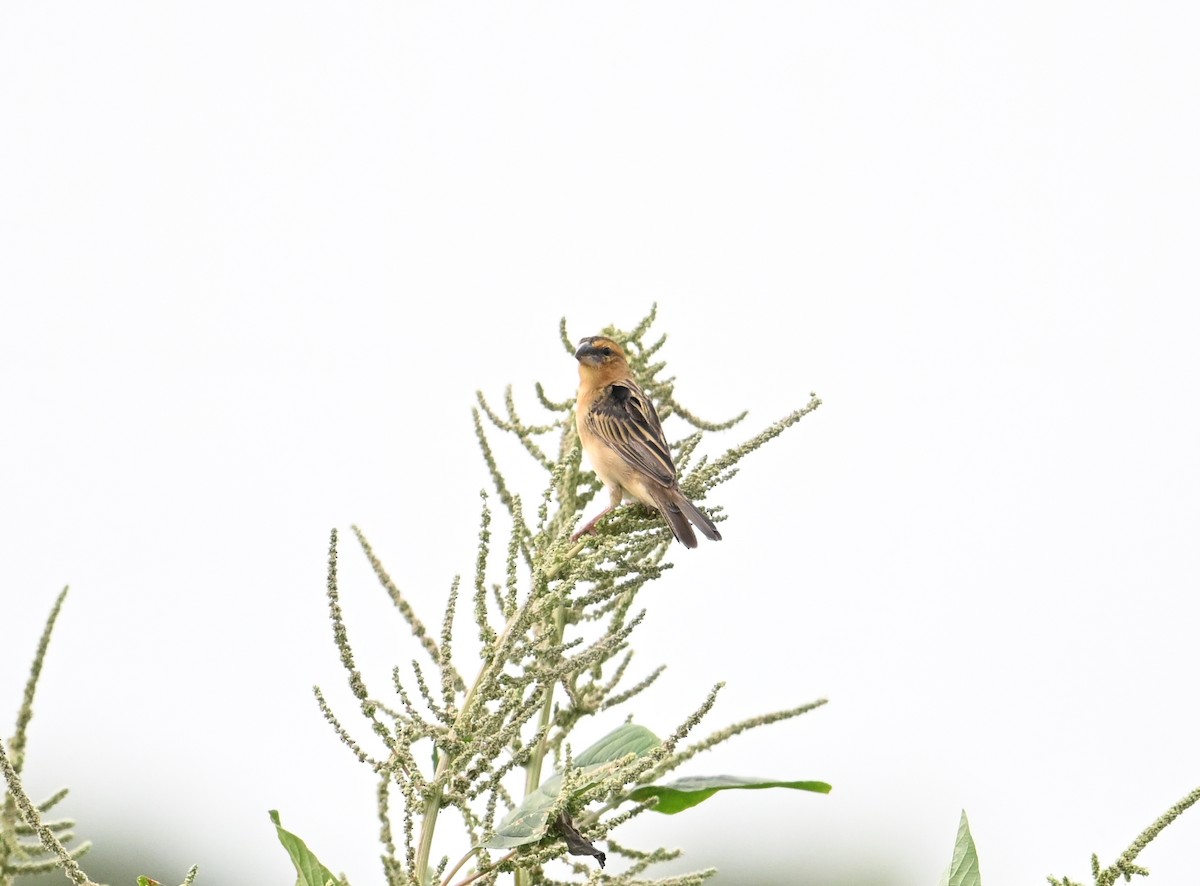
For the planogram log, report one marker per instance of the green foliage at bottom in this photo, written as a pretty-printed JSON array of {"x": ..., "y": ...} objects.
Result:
[
  {"x": 309, "y": 870},
  {"x": 964, "y": 866}
]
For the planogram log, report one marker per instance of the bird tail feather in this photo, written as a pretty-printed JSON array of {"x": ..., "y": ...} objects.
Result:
[
  {"x": 680, "y": 514},
  {"x": 701, "y": 519}
]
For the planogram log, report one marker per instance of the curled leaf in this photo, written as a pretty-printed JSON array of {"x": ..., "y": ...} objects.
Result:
[{"x": 577, "y": 843}]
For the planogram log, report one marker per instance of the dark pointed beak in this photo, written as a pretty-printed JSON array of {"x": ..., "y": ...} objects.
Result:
[{"x": 589, "y": 354}]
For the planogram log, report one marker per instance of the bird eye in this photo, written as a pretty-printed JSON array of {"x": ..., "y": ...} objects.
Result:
[{"x": 606, "y": 351}]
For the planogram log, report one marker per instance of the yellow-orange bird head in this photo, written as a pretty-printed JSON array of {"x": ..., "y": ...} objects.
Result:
[{"x": 600, "y": 356}]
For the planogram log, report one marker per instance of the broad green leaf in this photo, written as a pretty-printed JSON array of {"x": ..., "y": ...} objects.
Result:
[
  {"x": 687, "y": 792},
  {"x": 309, "y": 870},
  {"x": 620, "y": 743},
  {"x": 964, "y": 867},
  {"x": 528, "y": 822},
  {"x": 525, "y": 824}
]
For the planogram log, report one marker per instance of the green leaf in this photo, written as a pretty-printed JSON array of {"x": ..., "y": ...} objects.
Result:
[
  {"x": 687, "y": 792},
  {"x": 525, "y": 824},
  {"x": 964, "y": 867},
  {"x": 528, "y": 822},
  {"x": 187, "y": 881},
  {"x": 618, "y": 744},
  {"x": 309, "y": 870}
]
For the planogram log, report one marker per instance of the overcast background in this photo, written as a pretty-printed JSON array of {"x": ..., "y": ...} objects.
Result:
[{"x": 256, "y": 258}]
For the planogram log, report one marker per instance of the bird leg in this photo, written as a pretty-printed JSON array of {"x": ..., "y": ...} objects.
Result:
[{"x": 590, "y": 528}]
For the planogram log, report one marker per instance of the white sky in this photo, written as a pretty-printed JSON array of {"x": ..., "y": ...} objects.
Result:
[{"x": 256, "y": 258}]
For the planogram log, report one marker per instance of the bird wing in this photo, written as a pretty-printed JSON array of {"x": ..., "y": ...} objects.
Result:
[{"x": 624, "y": 418}]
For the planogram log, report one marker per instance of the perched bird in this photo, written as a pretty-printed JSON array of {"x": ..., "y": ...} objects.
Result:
[{"x": 624, "y": 441}]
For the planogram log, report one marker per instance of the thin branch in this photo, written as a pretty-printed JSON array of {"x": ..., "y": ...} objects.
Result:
[
  {"x": 25, "y": 714},
  {"x": 33, "y": 818}
]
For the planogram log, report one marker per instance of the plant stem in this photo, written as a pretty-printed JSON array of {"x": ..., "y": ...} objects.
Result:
[
  {"x": 483, "y": 873},
  {"x": 533, "y": 769},
  {"x": 553, "y": 571},
  {"x": 433, "y": 805},
  {"x": 458, "y": 867}
]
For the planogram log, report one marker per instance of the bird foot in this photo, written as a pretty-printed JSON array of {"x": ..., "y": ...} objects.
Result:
[{"x": 590, "y": 528}]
